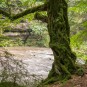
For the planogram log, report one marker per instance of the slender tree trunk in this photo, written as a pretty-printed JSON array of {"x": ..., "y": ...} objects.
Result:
[{"x": 59, "y": 31}]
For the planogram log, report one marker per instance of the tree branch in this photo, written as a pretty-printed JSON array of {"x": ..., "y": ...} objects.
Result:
[
  {"x": 5, "y": 13},
  {"x": 28, "y": 11},
  {"x": 31, "y": 10}
]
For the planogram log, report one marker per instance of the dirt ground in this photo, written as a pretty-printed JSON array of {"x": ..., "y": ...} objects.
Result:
[
  {"x": 40, "y": 54},
  {"x": 75, "y": 81}
]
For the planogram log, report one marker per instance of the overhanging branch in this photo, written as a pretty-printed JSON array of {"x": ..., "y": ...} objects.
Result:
[
  {"x": 31, "y": 10},
  {"x": 28, "y": 11}
]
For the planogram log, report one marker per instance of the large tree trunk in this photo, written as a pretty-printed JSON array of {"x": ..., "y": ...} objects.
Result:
[{"x": 59, "y": 31}]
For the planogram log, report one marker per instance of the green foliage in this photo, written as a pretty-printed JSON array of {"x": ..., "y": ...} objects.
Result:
[
  {"x": 28, "y": 2},
  {"x": 85, "y": 24},
  {"x": 78, "y": 24},
  {"x": 79, "y": 44},
  {"x": 79, "y": 38},
  {"x": 77, "y": 15},
  {"x": 79, "y": 6},
  {"x": 2, "y": 3},
  {"x": 40, "y": 30},
  {"x": 9, "y": 84},
  {"x": 3, "y": 24},
  {"x": 30, "y": 17},
  {"x": 8, "y": 42},
  {"x": 40, "y": 35},
  {"x": 31, "y": 3}
]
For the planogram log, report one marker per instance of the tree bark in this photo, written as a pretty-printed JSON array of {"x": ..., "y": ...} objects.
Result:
[{"x": 59, "y": 31}]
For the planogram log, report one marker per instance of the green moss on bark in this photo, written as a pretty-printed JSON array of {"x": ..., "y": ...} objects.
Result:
[{"x": 59, "y": 31}]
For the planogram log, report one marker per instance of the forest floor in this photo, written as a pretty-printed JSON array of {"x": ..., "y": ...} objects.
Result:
[
  {"x": 39, "y": 62},
  {"x": 75, "y": 81}
]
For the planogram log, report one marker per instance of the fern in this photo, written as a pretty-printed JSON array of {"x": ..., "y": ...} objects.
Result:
[{"x": 79, "y": 38}]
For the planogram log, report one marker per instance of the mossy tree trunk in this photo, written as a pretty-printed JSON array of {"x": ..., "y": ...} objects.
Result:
[{"x": 59, "y": 31}]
